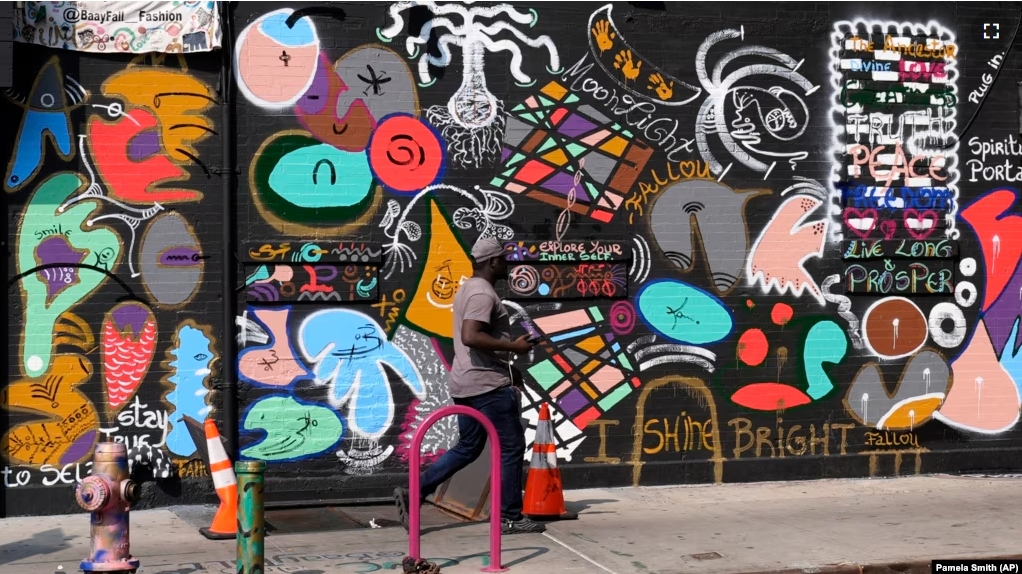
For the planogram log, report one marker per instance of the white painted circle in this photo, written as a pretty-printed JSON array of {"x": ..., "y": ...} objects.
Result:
[
  {"x": 943, "y": 311},
  {"x": 47, "y": 100},
  {"x": 968, "y": 288},
  {"x": 35, "y": 363},
  {"x": 967, "y": 266}
]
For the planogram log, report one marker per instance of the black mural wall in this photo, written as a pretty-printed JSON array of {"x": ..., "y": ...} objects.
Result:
[{"x": 760, "y": 241}]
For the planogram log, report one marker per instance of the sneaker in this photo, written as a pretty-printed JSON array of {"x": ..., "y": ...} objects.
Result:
[
  {"x": 401, "y": 501},
  {"x": 523, "y": 526}
]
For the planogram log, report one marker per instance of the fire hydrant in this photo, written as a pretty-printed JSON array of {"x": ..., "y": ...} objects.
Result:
[{"x": 108, "y": 494}]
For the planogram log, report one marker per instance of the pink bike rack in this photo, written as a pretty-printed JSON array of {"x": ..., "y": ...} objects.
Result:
[{"x": 415, "y": 487}]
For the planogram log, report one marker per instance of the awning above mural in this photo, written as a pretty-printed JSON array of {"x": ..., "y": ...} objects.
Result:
[{"x": 119, "y": 27}]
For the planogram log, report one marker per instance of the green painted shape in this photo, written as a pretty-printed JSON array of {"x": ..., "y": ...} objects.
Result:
[
  {"x": 625, "y": 362},
  {"x": 547, "y": 144},
  {"x": 293, "y": 430},
  {"x": 575, "y": 149},
  {"x": 614, "y": 397},
  {"x": 591, "y": 190},
  {"x": 595, "y": 312},
  {"x": 627, "y": 133},
  {"x": 825, "y": 343},
  {"x": 518, "y": 108},
  {"x": 510, "y": 172},
  {"x": 571, "y": 99},
  {"x": 497, "y": 181},
  {"x": 514, "y": 159},
  {"x": 545, "y": 101},
  {"x": 271, "y": 183},
  {"x": 95, "y": 245},
  {"x": 529, "y": 117},
  {"x": 546, "y": 374}
]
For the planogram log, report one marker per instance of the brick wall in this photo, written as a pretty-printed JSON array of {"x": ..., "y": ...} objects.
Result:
[{"x": 762, "y": 241}]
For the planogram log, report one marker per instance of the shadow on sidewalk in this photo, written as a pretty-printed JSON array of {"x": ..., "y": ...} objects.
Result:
[{"x": 46, "y": 542}]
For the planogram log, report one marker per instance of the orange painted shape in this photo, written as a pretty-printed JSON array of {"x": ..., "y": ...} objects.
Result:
[
  {"x": 591, "y": 345},
  {"x": 589, "y": 367},
  {"x": 70, "y": 429},
  {"x": 556, "y": 157},
  {"x": 432, "y": 307},
  {"x": 554, "y": 90},
  {"x": 589, "y": 390},
  {"x": 909, "y": 414},
  {"x": 615, "y": 146}
]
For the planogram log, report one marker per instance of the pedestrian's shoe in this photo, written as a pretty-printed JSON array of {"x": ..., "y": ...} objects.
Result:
[
  {"x": 523, "y": 526},
  {"x": 401, "y": 501}
]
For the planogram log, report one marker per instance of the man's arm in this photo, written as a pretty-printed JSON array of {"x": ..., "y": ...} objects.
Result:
[{"x": 478, "y": 310}]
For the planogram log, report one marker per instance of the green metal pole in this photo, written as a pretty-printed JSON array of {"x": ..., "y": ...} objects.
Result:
[{"x": 251, "y": 524}]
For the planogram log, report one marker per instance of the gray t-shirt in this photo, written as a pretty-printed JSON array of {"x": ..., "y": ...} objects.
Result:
[{"x": 475, "y": 371}]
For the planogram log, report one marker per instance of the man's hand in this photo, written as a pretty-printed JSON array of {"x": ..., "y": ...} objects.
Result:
[{"x": 521, "y": 345}]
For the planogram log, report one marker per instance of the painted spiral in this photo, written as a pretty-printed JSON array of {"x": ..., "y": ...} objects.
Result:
[
  {"x": 405, "y": 154},
  {"x": 524, "y": 280},
  {"x": 622, "y": 317}
]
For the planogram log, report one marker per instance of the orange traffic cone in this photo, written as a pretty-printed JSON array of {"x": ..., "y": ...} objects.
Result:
[
  {"x": 544, "y": 495},
  {"x": 225, "y": 523}
]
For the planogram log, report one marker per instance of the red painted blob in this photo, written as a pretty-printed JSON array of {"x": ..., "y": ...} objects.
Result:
[
  {"x": 782, "y": 313},
  {"x": 752, "y": 347},
  {"x": 769, "y": 397}
]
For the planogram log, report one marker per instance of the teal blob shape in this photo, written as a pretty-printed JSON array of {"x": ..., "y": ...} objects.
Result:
[
  {"x": 320, "y": 176},
  {"x": 825, "y": 343},
  {"x": 683, "y": 313}
]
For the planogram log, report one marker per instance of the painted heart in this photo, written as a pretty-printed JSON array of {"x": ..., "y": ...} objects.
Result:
[
  {"x": 863, "y": 214},
  {"x": 920, "y": 225},
  {"x": 888, "y": 228}
]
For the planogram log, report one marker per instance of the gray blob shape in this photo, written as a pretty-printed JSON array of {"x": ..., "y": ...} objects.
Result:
[
  {"x": 599, "y": 166},
  {"x": 396, "y": 96},
  {"x": 444, "y": 434},
  {"x": 913, "y": 384},
  {"x": 515, "y": 132},
  {"x": 49, "y": 89},
  {"x": 720, "y": 214},
  {"x": 168, "y": 284},
  {"x": 595, "y": 114},
  {"x": 574, "y": 356}
]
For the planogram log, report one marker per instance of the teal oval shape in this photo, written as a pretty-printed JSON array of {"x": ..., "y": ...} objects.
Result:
[
  {"x": 683, "y": 313},
  {"x": 321, "y": 175}
]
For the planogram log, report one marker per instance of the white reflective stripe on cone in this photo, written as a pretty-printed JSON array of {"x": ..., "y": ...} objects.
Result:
[{"x": 224, "y": 478}]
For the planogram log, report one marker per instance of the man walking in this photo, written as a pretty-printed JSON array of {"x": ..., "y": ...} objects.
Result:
[{"x": 481, "y": 378}]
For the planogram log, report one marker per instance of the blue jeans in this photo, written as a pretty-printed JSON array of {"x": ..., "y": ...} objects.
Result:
[{"x": 501, "y": 406}]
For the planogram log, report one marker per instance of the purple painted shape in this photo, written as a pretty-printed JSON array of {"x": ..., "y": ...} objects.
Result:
[
  {"x": 504, "y": 154},
  {"x": 575, "y": 125},
  {"x": 131, "y": 314},
  {"x": 80, "y": 448},
  {"x": 562, "y": 182},
  {"x": 180, "y": 257},
  {"x": 315, "y": 98},
  {"x": 145, "y": 144},
  {"x": 54, "y": 250},
  {"x": 1000, "y": 317},
  {"x": 572, "y": 402}
]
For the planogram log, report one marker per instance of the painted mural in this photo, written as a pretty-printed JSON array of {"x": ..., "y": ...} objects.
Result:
[{"x": 802, "y": 248}]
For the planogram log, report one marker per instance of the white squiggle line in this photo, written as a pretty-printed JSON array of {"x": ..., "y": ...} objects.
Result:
[
  {"x": 844, "y": 309},
  {"x": 403, "y": 255},
  {"x": 677, "y": 359},
  {"x": 673, "y": 348}
]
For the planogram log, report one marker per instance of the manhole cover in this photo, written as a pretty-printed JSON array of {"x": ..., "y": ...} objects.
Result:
[{"x": 706, "y": 556}]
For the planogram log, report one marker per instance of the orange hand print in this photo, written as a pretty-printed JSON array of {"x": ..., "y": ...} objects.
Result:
[
  {"x": 623, "y": 61},
  {"x": 658, "y": 83},
  {"x": 604, "y": 37}
]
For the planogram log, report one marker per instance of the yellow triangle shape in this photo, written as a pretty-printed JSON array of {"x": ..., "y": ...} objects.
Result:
[
  {"x": 432, "y": 307},
  {"x": 556, "y": 157}
]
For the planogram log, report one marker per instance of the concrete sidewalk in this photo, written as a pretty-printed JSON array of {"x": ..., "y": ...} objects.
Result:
[{"x": 737, "y": 528}]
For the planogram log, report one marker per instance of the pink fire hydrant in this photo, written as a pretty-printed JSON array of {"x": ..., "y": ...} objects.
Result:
[{"x": 108, "y": 494}]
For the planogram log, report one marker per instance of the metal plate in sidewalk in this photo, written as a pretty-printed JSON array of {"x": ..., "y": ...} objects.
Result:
[{"x": 299, "y": 520}]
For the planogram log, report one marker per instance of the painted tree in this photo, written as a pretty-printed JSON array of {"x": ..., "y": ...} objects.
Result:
[{"x": 472, "y": 120}]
